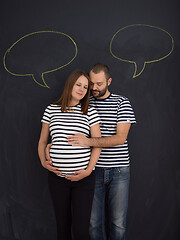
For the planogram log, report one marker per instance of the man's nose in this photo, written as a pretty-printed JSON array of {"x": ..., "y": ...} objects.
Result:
[{"x": 94, "y": 87}]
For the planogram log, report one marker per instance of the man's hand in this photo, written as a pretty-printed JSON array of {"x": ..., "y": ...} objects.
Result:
[
  {"x": 78, "y": 175},
  {"x": 48, "y": 165},
  {"x": 78, "y": 140}
]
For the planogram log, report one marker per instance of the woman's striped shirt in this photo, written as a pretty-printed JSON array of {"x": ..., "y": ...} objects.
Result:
[
  {"x": 113, "y": 110},
  {"x": 62, "y": 124}
]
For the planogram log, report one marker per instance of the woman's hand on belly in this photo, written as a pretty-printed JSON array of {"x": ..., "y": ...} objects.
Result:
[
  {"x": 48, "y": 165},
  {"x": 78, "y": 175}
]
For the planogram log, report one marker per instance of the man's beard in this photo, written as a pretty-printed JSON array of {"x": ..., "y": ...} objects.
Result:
[{"x": 99, "y": 93}]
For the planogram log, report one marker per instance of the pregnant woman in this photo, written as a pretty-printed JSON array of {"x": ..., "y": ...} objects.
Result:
[{"x": 71, "y": 114}]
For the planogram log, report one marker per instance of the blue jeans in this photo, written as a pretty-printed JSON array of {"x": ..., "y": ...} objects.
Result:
[{"x": 111, "y": 196}]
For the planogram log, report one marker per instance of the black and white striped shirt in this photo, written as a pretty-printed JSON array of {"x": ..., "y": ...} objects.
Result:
[
  {"x": 113, "y": 110},
  {"x": 62, "y": 124}
]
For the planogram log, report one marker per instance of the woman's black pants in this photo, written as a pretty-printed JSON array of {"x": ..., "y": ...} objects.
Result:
[{"x": 72, "y": 204}]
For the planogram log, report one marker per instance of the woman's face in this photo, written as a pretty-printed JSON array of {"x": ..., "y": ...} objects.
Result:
[{"x": 79, "y": 89}]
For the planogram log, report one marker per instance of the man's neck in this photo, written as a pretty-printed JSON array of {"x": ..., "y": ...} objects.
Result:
[{"x": 104, "y": 96}]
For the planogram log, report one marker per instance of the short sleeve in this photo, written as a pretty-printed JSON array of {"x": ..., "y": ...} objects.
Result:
[
  {"x": 125, "y": 112},
  {"x": 93, "y": 116},
  {"x": 46, "y": 116}
]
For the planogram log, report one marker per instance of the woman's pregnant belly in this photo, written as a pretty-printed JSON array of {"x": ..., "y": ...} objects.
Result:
[{"x": 69, "y": 158}]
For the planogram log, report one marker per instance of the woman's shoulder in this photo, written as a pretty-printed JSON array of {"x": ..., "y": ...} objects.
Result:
[{"x": 53, "y": 106}]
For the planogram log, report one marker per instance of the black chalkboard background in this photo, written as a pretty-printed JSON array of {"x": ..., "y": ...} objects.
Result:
[{"x": 26, "y": 211}]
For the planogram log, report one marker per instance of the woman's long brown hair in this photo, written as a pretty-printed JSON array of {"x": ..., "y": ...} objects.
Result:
[{"x": 64, "y": 100}]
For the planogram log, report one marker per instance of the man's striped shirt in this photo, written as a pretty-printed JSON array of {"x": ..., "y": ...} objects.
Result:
[
  {"x": 62, "y": 124},
  {"x": 113, "y": 110}
]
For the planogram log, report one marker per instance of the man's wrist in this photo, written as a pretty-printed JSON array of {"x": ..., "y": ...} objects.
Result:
[
  {"x": 93, "y": 142},
  {"x": 88, "y": 143}
]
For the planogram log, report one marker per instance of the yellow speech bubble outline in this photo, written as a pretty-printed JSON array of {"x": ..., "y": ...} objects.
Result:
[
  {"x": 42, "y": 75},
  {"x": 145, "y": 61}
]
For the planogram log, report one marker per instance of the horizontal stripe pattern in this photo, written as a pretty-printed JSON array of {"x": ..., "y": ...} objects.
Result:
[
  {"x": 113, "y": 110},
  {"x": 62, "y": 124}
]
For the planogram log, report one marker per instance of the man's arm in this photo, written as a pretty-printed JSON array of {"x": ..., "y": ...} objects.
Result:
[{"x": 119, "y": 138}]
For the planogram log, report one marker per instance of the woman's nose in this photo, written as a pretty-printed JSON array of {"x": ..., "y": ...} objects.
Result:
[{"x": 82, "y": 89}]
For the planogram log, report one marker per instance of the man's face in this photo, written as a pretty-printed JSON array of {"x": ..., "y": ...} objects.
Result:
[{"x": 99, "y": 85}]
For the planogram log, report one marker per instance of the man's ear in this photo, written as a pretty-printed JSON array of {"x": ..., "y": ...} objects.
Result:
[{"x": 109, "y": 81}]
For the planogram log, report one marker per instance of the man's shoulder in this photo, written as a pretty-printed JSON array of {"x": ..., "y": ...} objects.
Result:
[
  {"x": 113, "y": 97},
  {"x": 118, "y": 97},
  {"x": 91, "y": 109}
]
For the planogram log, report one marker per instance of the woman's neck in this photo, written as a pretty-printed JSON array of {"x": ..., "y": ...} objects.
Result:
[{"x": 73, "y": 103}]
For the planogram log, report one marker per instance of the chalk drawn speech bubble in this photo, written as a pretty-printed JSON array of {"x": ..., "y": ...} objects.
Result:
[
  {"x": 141, "y": 44},
  {"x": 39, "y": 53}
]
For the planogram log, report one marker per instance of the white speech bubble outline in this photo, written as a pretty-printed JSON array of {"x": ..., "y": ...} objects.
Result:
[
  {"x": 157, "y": 60},
  {"x": 42, "y": 75}
]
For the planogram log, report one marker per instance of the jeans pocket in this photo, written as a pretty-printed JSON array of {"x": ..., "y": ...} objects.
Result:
[{"x": 122, "y": 172}]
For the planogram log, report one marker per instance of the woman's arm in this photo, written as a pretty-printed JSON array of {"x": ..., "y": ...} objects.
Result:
[
  {"x": 95, "y": 153},
  {"x": 41, "y": 149}
]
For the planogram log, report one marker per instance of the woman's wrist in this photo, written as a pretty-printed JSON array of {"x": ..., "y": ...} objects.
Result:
[
  {"x": 88, "y": 171},
  {"x": 43, "y": 162}
]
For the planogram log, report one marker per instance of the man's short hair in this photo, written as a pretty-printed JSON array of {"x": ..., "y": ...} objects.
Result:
[{"x": 98, "y": 67}]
